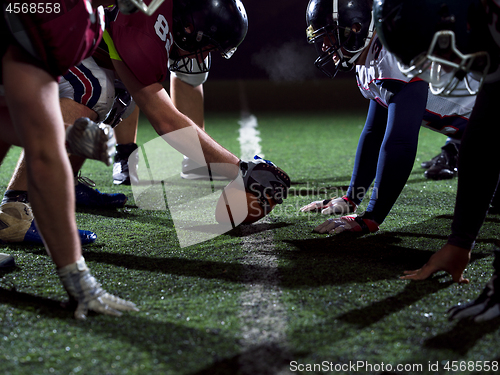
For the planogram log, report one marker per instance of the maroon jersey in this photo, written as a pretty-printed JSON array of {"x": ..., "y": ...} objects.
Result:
[
  {"x": 60, "y": 36},
  {"x": 143, "y": 42}
]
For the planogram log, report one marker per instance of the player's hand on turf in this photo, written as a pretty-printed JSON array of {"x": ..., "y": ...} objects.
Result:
[
  {"x": 449, "y": 258},
  {"x": 265, "y": 180},
  {"x": 487, "y": 305},
  {"x": 317, "y": 205},
  {"x": 87, "y": 139},
  {"x": 332, "y": 226},
  {"x": 88, "y": 295}
]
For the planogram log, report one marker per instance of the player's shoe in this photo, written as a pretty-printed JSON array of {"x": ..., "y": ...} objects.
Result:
[
  {"x": 445, "y": 166},
  {"x": 6, "y": 260},
  {"x": 17, "y": 226},
  {"x": 333, "y": 206},
  {"x": 33, "y": 236},
  {"x": 487, "y": 305},
  {"x": 191, "y": 170},
  {"x": 86, "y": 196},
  {"x": 121, "y": 173},
  {"x": 351, "y": 223},
  {"x": 427, "y": 164}
]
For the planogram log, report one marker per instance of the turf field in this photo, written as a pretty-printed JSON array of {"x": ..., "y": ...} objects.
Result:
[{"x": 267, "y": 298}]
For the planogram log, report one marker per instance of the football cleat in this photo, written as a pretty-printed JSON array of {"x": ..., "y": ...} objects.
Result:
[
  {"x": 33, "y": 236},
  {"x": 487, "y": 305},
  {"x": 333, "y": 206},
  {"x": 351, "y": 223},
  {"x": 121, "y": 173},
  {"x": 191, "y": 170},
  {"x": 86, "y": 196},
  {"x": 17, "y": 226},
  {"x": 427, "y": 164},
  {"x": 445, "y": 166},
  {"x": 6, "y": 260}
]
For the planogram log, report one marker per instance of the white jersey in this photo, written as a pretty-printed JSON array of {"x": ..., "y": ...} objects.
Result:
[{"x": 380, "y": 78}]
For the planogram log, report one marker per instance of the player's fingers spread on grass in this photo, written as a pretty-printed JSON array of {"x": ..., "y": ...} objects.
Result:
[
  {"x": 118, "y": 303},
  {"x": 332, "y": 226},
  {"x": 315, "y": 206},
  {"x": 420, "y": 274},
  {"x": 98, "y": 305}
]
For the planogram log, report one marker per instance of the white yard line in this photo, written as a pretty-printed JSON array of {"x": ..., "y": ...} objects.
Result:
[{"x": 263, "y": 317}]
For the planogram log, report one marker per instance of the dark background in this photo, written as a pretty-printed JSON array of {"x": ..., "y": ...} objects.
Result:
[
  {"x": 273, "y": 68},
  {"x": 275, "y": 47}
]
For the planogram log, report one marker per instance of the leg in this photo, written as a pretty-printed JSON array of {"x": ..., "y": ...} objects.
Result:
[
  {"x": 126, "y": 136},
  {"x": 40, "y": 127}
]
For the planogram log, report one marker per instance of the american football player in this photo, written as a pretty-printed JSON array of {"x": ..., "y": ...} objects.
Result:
[
  {"x": 36, "y": 48},
  {"x": 183, "y": 31},
  {"x": 343, "y": 32},
  {"x": 460, "y": 40}
]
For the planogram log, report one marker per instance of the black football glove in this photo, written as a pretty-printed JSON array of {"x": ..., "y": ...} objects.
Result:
[
  {"x": 265, "y": 180},
  {"x": 487, "y": 305}
]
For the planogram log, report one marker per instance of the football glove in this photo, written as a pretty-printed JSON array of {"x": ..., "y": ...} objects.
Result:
[
  {"x": 84, "y": 290},
  {"x": 90, "y": 140},
  {"x": 333, "y": 206},
  {"x": 265, "y": 180},
  {"x": 351, "y": 223},
  {"x": 487, "y": 305}
]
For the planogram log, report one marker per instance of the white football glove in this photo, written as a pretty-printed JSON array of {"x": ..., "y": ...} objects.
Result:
[
  {"x": 83, "y": 289},
  {"x": 333, "y": 206},
  {"x": 487, "y": 305},
  {"x": 90, "y": 140},
  {"x": 264, "y": 179},
  {"x": 350, "y": 223}
]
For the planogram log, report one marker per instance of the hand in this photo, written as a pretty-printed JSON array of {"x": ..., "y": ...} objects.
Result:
[
  {"x": 333, "y": 226},
  {"x": 87, "y": 139},
  {"x": 351, "y": 223},
  {"x": 317, "y": 205},
  {"x": 84, "y": 290},
  {"x": 265, "y": 180},
  {"x": 450, "y": 258},
  {"x": 333, "y": 206}
]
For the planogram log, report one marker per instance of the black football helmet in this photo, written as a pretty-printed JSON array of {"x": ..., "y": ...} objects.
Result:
[
  {"x": 345, "y": 25},
  {"x": 444, "y": 42},
  {"x": 203, "y": 25}
]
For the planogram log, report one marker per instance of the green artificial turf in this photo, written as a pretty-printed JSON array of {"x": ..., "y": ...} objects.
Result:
[{"x": 272, "y": 297}]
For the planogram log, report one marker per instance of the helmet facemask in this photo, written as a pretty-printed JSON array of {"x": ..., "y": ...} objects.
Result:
[
  {"x": 339, "y": 46},
  {"x": 448, "y": 71},
  {"x": 202, "y": 26}
]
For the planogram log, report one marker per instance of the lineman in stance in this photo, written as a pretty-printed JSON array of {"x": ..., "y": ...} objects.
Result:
[
  {"x": 399, "y": 106},
  {"x": 460, "y": 40}
]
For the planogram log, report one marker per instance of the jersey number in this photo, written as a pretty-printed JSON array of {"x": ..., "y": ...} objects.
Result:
[{"x": 163, "y": 31}]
